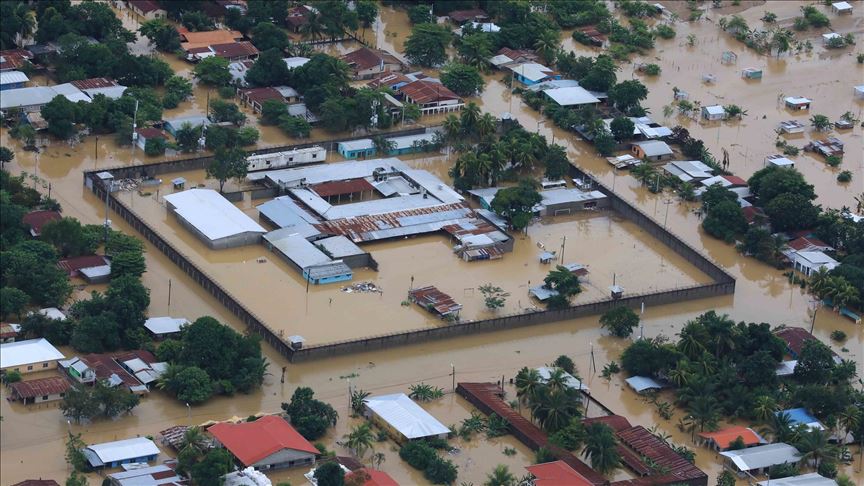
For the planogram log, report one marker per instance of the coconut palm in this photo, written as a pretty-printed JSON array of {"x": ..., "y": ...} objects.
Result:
[
  {"x": 764, "y": 408},
  {"x": 819, "y": 281},
  {"x": 500, "y": 476},
  {"x": 525, "y": 158},
  {"x": 820, "y": 122},
  {"x": 681, "y": 374},
  {"x": 849, "y": 418},
  {"x": 528, "y": 383},
  {"x": 782, "y": 40},
  {"x": 360, "y": 439},
  {"x": 814, "y": 446},
  {"x": 314, "y": 26},
  {"x": 841, "y": 292},
  {"x": 470, "y": 116},
  {"x": 601, "y": 448},
  {"x": 547, "y": 45},
  {"x": 378, "y": 458},
  {"x": 781, "y": 428},
  {"x": 486, "y": 125},
  {"x": 557, "y": 381},
  {"x": 705, "y": 411},
  {"x": 194, "y": 441},
  {"x": 691, "y": 338}
]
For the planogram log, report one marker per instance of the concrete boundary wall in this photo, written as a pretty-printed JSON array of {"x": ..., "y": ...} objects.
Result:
[{"x": 723, "y": 282}]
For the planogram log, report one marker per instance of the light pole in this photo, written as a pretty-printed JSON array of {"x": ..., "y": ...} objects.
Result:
[
  {"x": 189, "y": 408},
  {"x": 667, "y": 202},
  {"x": 108, "y": 188},
  {"x": 453, "y": 374}
]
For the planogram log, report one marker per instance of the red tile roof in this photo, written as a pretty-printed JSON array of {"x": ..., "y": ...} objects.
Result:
[
  {"x": 150, "y": 132},
  {"x": 724, "y": 438},
  {"x": 260, "y": 95},
  {"x": 53, "y": 385},
  {"x": 234, "y": 49},
  {"x": 36, "y": 219},
  {"x": 795, "y": 337},
  {"x": 422, "y": 92},
  {"x": 373, "y": 478},
  {"x": 751, "y": 212},
  {"x": 365, "y": 58},
  {"x": 298, "y": 16},
  {"x": 73, "y": 265},
  {"x": 108, "y": 364},
  {"x": 556, "y": 473},
  {"x": 335, "y": 188},
  {"x": 616, "y": 422},
  {"x": 145, "y": 6},
  {"x": 7, "y": 331},
  {"x": 94, "y": 83},
  {"x": 251, "y": 442},
  {"x": 808, "y": 244}
]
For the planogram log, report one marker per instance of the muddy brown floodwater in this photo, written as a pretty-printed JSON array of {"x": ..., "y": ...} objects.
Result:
[{"x": 31, "y": 438}]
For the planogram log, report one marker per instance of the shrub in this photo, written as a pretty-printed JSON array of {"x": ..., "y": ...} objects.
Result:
[
  {"x": 838, "y": 335},
  {"x": 833, "y": 160},
  {"x": 664, "y": 31},
  {"x": 845, "y": 176},
  {"x": 226, "y": 92},
  {"x": 652, "y": 70},
  {"x": 860, "y": 58}
]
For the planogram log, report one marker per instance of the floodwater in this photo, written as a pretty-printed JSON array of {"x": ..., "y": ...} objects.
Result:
[{"x": 32, "y": 438}]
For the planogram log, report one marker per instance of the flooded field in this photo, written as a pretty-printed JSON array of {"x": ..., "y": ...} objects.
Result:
[{"x": 32, "y": 437}]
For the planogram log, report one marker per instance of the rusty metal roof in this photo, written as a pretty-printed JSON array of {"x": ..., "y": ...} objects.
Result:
[
  {"x": 431, "y": 296},
  {"x": 53, "y": 385},
  {"x": 336, "y": 188}
]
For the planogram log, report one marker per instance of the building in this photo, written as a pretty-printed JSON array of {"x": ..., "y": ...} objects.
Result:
[
  {"x": 751, "y": 73},
  {"x": 234, "y": 51},
  {"x": 406, "y": 144},
  {"x": 267, "y": 443},
  {"x": 37, "y": 482},
  {"x": 95, "y": 269},
  {"x": 78, "y": 370},
  {"x": 791, "y": 126},
  {"x": 12, "y": 80},
  {"x": 213, "y": 219},
  {"x": 831, "y": 39},
  {"x": 339, "y": 247},
  {"x": 194, "y": 40},
  {"x": 33, "y": 98},
  {"x": 841, "y": 8},
  {"x": 722, "y": 439},
  {"x": 810, "y": 479},
  {"x": 195, "y": 121},
  {"x": 831, "y": 146},
  {"x": 571, "y": 381},
  {"x": 757, "y": 460},
  {"x": 366, "y": 63},
  {"x": 146, "y": 9},
  {"x": 487, "y": 27},
  {"x": 149, "y": 133},
  {"x": 689, "y": 170},
  {"x": 161, "y": 327},
  {"x": 779, "y": 161},
  {"x": 797, "y": 103},
  {"x": 283, "y": 212},
  {"x": 432, "y": 97},
  {"x": 801, "y": 417},
  {"x": 256, "y": 97},
  {"x": 403, "y": 419},
  {"x": 307, "y": 258},
  {"x": 809, "y": 262},
  {"x": 470, "y": 15},
  {"x": 644, "y": 128},
  {"x": 41, "y": 390},
  {"x": 135, "y": 370},
  {"x": 297, "y": 17},
  {"x": 9, "y": 332},
  {"x": 713, "y": 113},
  {"x": 14, "y": 59},
  {"x": 369, "y": 477},
  {"x": 566, "y": 201},
  {"x": 507, "y": 58},
  {"x": 37, "y": 219},
  {"x": 289, "y": 158},
  {"x": 160, "y": 475},
  {"x": 114, "y": 454},
  {"x": 28, "y": 356},
  {"x": 858, "y": 92},
  {"x": 531, "y": 73},
  {"x": 556, "y": 473},
  {"x": 642, "y": 384},
  {"x": 652, "y": 151},
  {"x": 246, "y": 477},
  {"x": 435, "y": 301},
  {"x": 795, "y": 337},
  {"x": 572, "y": 96}
]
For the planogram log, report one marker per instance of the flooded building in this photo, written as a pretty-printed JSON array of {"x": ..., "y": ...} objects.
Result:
[
  {"x": 652, "y": 151},
  {"x": 723, "y": 439},
  {"x": 267, "y": 443},
  {"x": 12, "y": 80},
  {"x": 713, "y": 113},
  {"x": 432, "y": 97},
  {"x": 213, "y": 219},
  {"x": 288, "y": 158},
  {"x": 194, "y": 121},
  {"x": 757, "y": 460},
  {"x": 366, "y": 63},
  {"x": 556, "y": 473},
  {"x": 95, "y": 269},
  {"x": 531, "y": 73},
  {"x": 556, "y": 202},
  {"x": 435, "y": 301},
  {"x": 36, "y": 219},
  {"x": 161, "y": 327},
  {"x": 146, "y": 9},
  {"x": 779, "y": 161},
  {"x": 41, "y": 390},
  {"x": 403, "y": 419},
  {"x": 809, "y": 479},
  {"x": 797, "y": 103},
  {"x": 841, "y": 8},
  {"x": 161, "y": 474},
  {"x": 114, "y": 454},
  {"x": 406, "y": 144},
  {"x": 307, "y": 258},
  {"x": 689, "y": 170},
  {"x": 572, "y": 96},
  {"x": 791, "y": 126},
  {"x": 28, "y": 356}
]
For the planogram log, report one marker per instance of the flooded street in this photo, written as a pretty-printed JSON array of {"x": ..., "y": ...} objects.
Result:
[{"x": 32, "y": 437}]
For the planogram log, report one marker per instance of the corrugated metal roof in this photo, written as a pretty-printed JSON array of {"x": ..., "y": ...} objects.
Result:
[
  {"x": 108, "y": 452},
  {"x": 212, "y": 214},
  {"x": 27, "y": 352},
  {"x": 811, "y": 479},
  {"x": 165, "y": 325},
  {"x": 297, "y": 249},
  {"x": 405, "y": 416},
  {"x": 642, "y": 383},
  {"x": 340, "y": 246},
  {"x": 10, "y": 77},
  {"x": 763, "y": 456}
]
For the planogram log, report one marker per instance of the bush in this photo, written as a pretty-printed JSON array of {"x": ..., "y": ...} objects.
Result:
[
  {"x": 544, "y": 455},
  {"x": 827, "y": 469},
  {"x": 860, "y": 58},
  {"x": 652, "y": 70},
  {"x": 833, "y": 160},
  {"x": 154, "y": 146},
  {"x": 226, "y": 92},
  {"x": 664, "y": 31},
  {"x": 838, "y": 335},
  {"x": 845, "y": 176}
]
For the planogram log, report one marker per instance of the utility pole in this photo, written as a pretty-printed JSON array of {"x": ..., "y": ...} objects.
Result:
[
  {"x": 169, "y": 296},
  {"x": 563, "y": 242},
  {"x": 667, "y": 202},
  {"x": 108, "y": 189},
  {"x": 96, "y": 155},
  {"x": 453, "y": 374}
]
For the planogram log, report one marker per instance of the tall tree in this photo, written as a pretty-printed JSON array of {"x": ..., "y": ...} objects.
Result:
[
  {"x": 601, "y": 448},
  {"x": 213, "y": 71},
  {"x": 427, "y": 44}
]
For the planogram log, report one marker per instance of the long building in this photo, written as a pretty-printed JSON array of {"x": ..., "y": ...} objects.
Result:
[
  {"x": 290, "y": 158},
  {"x": 213, "y": 219}
]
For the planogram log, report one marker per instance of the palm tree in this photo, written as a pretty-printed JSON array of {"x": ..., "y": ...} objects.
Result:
[
  {"x": 764, "y": 408},
  {"x": 782, "y": 40},
  {"x": 705, "y": 411},
  {"x": 314, "y": 27},
  {"x": 195, "y": 441},
  {"x": 601, "y": 448},
  {"x": 525, "y": 157},
  {"x": 360, "y": 439},
  {"x": 818, "y": 281},
  {"x": 486, "y": 125},
  {"x": 547, "y": 45},
  {"x": 841, "y": 292},
  {"x": 378, "y": 458},
  {"x": 682, "y": 373},
  {"x": 814, "y": 446},
  {"x": 557, "y": 382},
  {"x": 691, "y": 336},
  {"x": 849, "y": 419},
  {"x": 528, "y": 382},
  {"x": 500, "y": 476},
  {"x": 780, "y": 427}
]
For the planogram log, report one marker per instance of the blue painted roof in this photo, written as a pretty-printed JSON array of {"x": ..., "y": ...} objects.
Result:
[{"x": 799, "y": 416}]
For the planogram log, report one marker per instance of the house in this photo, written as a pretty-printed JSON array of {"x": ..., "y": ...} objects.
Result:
[
  {"x": 689, "y": 170},
  {"x": 806, "y": 243},
  {"x": 757, "y": 460},
  {"x": 288, "y": 158},
  {"x": 809, "y": 262},
  {"x": 571, "y": 381},
  {"x": 459, "y": 17},
  {"x": 403, "y": 419},
  {"x": 146, "y": 9},
  {"x": 213, "y": 219},
  {"x": 42, "y": 390},
  {"x": 162, "y": 474},
  {"x": 831, "y": 38},
  {"x": 841, "y": 8},
  {"x": 195, "y": 40},
  {"x": 778, "y": 161},
  {"x": 652, "y": 151},
  {"x": 28, "y": 356},
  {"x": 295, "y": 62},
  {"x": 791, "y": 126},
  {"x": 826, "y": 148},
  {"x": 797, "y": 102},
  {"x": 114, "y": 454},
  {"x": 713, "y": 113},
  {"x": 722, "y": 439},
  {"x": 556, "y": 473},
  {"x": 297, "y": 17},
  {"x": 800, "y": 416},
  {"x": 642, "y": 384},
  {"x": 858, "y": 91},
  {"x": 161, "y": 327},
  {"x": 809, "y": 479},
  {"x": 406, "y": 144},
  {"x": 267, "y": 443},
  {"x": 795, "y": 337},
  {"x": 195, "y": 121},
  {"x": 393, "y": 81},
  {"x": 366, "y": 63},
  {"x": 234, "y": 51},
  {"x": 53, "y": 313},
  {"x": 92, "y": 268},
  {"x": 13, "y": 59},
  {"x": 592, "y": 36},
  {"x": 751, "y": 73},
  {"x": 9, "y": 332},
  {"x": 565, "y": 201},
  {"x": 530, "y": 73},
  {"x": 12, "y": 80},
  {"x": 37, "y": 482},
  {"x": 572, "y": 96},
  {"x": 148, "y": 133},
  {"x": 435, "y": 301},
  {"x": 431, "y": 97},
  {"x": 78, "y": 370},
  {"x": 507, "y": 57},
  {"x": 37, "y": 219},
  {"x": 487, "y": 27},
  {"x": 134, "y": 370}
]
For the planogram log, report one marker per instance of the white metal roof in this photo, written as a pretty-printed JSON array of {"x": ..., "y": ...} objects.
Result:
[
  {"x": 340, "y": 246},
  {"x": 532, "y": 71},
  {"x": 144, "y": 476},
  {"x": 34, "y": 95},
  {"x": 53, "y": 313},
  {"x": 831, "y": 35},
  {"x": 763, "y": 456},
  {"x": 10, "y": 77},
  {"x": 405, "y": 416},
  {"x": 212, "y": 214},
  {"x": 563, "y": 196},
  {"x": 714, "y": 110},
  {"x": 359, "y": 144},
  {"x": 779, "y": 160},
  {"x": 340, "y": 171},
  {"x": 797, "y": 100},
  {"x": 297, "y": 249},
  {"x": 108, "y": 452},
  {"x": 811, "y": 479},
  {"x": 27, "y": 352},
  {"x": 570, "y": 96},
  {"x": 499, "y": 60},
  {"x": 842, "y": 5},
  {"x": 293, "y": 62},
  {"x": 642, "y": 383},
  {"x": 572, "y": 381},
  {"x": 786, "y": 368},
  {"x": 165, "y": 325},
  {"x": 407, "y": 141},
  {"x": 653, "y": 148},
  {"x": 112, "y": 92}
]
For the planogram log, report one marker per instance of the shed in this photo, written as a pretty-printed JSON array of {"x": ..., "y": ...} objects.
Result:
[
  {"x": 146, "y": 476},
  {"x": 12, "y": 80},
  {"x": 713, "y": 112},
  {"x": 178, "y": 183},
  {"x": 339, "y": 247},
  {"x": 145, "y": 134},
  {"x": 690, "y": 170},
  {"x": 728, "y": 57},
  {"x": 791, "y": 126},
  {"x": 29, "y": 356},
  {"x": 810, "y": 479},
  {"x": 572, "y": 96},
  {"x": 113, "y": 454},
  {"x": 433, "y": 300},
  {"x": 797, "y": 102},
  {"x": 195, "y": 121},
  {"x": 542, "y": 293},
  {"x": 758, "y": 459},
  {"x": 267, "y": 443},
  {"x": 829, "y": 37},
  {"x": 779, "y": 161},
  {"x": 566, "y": 201},
  {"x": 41, "y": 390},
  {"x": 751, "y": 73},
  {"x": 808, "y": 262},
  {"x": 353, "y": 149},
  {"x": 404, "y": 419},
  {"x": 213, "y": 219},
  {"x": 652, "y": 150},
  {"x": 163, "y": 326},
  {"x": 642, "y": 384},
  {"x": 858, "y": 91},
  {"x": 722, "y": 439},
  {"x": 315, "y": 265},
  {"x": 571, "y": 381}
]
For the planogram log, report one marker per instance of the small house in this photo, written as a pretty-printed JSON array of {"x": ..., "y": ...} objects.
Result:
[
  {"x": 160, "y": 474},
  {"x": 267, "y": 443},
  {"x": 572, "y": 96},
  {"x": 809, "y": 479},
  {"x": 78, "y": 370},
  {"x": 42, "y": 390},
  {"x": 194, "y": 121},
  {"x": 797, "y": 102},
  {"x": 435, "y": 301},
  {"x": 652, "y": 151},
  {"x": 28, "y": 356},
  {"x": 114, "y": 454},
  {"x": 757, "y": 460},
  {"x": 366, "y": 63},
  {"x": 831, "y": 38},
  {"x": 354, "y": 149},
  {"x": 565, "y": 201},
  {"x": 828, "y": 147},
  {"x": 791, "y": 126},
  {"x": 37, "y": 219},
  {"x": 94, "y": 269},
  {"x": 9, "y": 332},
  {"x": 801, "y": 417},
  {"x": 841, "y": 8},
  {"x": 531, "y": 73},
  {"x": 403, "y": 419},
  {"x": 459, "y": 17},
  {"x": 12, "y": 80},
  {"x": 723, "y": 439},
  {"x": 795, "y": 337},
  {"x": 556, "y": 473},
  {"x": 809, "y": 262},
  {"x": 779, "y": 161},
  {"x": 751, "y": 73},
  {"x": 146, "y": 9},
  {"x": 432, "y": 97},
  {"x": 644, "y": 384},
  {"x": 713, "y": 113},
  {"x": 161, "y": 327},
  {"x": 148, "y": 133}
]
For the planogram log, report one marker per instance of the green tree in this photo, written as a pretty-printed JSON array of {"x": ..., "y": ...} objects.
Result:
[
  {"x": 791, "y": 212},
  {"x": 97, "y": 334},
  {"x": 500, "y": 476},
  {"x": 705, "y": 412},
  {"x": 68, "y": 237},
  {"x": 128, "y": 263},
  {"x": 12, "y": 302},
  {"x": 528, "y": 383},
  {"x": 76, "y": 479},
  {"x": 815, "y": 363},
  {"x": 604, "y": 142},
  {"x": 295, "y": 126},
  {"x": 224, "y": 111},
  {"x": 814, "y": 446},
  {"x": 622, "y": 128},
  {"x": 516, "y": 204},
  {"x": 427, "y": 44},
  {"x": 772, "y": 181},
  {"x": 269, "y": 69},
  {"x": 367, "y": 12},
  {"x": 227, "y": 164},
  {"x": 620, "y": 321},
  {"x": 191, "y": 385},
  {"x": 600, "y": 76},
  {"x": 78, "y": 404},
  {"x": 493, "y": 296},
  {"x": 726, "y": 478},
  {"x": 247, "y": 136},
  {"x": 177, "y": 89},
  {"x": 213, "y": 71},
  {"x": 162, "y": 34},
  {"x": 564, "y": 282},
  {"x": 267, "y": 36},
  {"x": 74, "y": 452},
  {"x": 187, "y": 137},
  {"x": 462, "y": 79},
  {"x": 155, "y": 146},
  {"x": 565, "y": 363},
  {"x": 475, "y": 50},
  {"x": 61, "y": 115},
  {"x": 420, "y": 14},
  {"x": 330, "y": 474},
  {"x": 6, "y": 155},
  {"x": 311, "y": 417},
  {"x": 601, "y": 448},
  {"x": 35, "y": 274},
  {"x": 210, "y": 470},
  {"x": 360, "y": 439},
  {"x": 626, "y": 95},
  {"x": 272, "y": 111},
  {"x": 554, "y": 409},
  {"x": 725, "y": 220}
]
